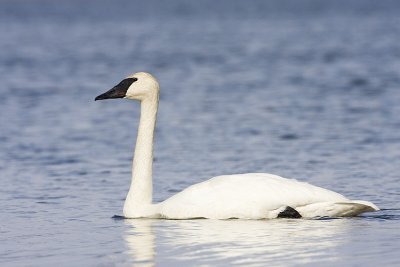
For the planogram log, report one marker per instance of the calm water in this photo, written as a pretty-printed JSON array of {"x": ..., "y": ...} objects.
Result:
[{"x": 303, "y": 90}]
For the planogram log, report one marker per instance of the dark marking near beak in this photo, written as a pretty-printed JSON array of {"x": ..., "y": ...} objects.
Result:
[{"x": 118, "y": 91}]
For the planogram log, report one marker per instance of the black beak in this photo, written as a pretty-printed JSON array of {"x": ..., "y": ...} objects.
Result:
[{"x": 118, "y": 91}]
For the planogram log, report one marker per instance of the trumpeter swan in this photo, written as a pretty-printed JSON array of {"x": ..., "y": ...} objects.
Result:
[{"x": 245, "y": 196}]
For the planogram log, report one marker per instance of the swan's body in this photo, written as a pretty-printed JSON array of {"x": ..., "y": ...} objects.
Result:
[
  {"x": 247, "y": 196},
  {"x": 257, "y": 196}
]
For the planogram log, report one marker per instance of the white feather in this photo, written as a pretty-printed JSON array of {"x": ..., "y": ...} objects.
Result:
[{"x": 257, "y": 196}]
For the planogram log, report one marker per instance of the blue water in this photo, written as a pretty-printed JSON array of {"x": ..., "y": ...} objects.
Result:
[{"x": 302, "y": 89}]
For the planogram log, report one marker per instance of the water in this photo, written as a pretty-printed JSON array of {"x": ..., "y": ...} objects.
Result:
[{"x": 308, "y": 90}]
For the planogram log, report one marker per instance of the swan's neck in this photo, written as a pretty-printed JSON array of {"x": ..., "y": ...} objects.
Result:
[{"x": 141, "y": 191}]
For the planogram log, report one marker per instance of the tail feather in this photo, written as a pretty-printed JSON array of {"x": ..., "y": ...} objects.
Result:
[
  {"x": 356, "y": 207},
  {"x": 336, "y": 209},
  {"x": 371, "y": 205}
]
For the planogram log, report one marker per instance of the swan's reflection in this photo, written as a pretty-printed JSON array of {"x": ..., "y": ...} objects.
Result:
[
  {"x": 141, "y": 242},
  {"x": 213, "y": 242}
]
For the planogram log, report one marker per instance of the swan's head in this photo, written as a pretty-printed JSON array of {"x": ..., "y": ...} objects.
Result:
[{"x": 138, "y": 86}]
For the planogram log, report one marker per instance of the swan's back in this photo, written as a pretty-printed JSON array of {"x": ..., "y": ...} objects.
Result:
[{"x": 252, "y": 196}]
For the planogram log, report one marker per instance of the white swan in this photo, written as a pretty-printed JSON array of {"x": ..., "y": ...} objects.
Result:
[{"x": 245, "y": 196}]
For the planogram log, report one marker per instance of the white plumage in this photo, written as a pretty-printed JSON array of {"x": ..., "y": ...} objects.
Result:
[
  {"x": 257, "y": 196},
  {"x": 245, "y": 196}
]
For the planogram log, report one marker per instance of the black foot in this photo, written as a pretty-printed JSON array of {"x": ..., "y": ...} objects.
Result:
[{"x": 289, "y": 212}]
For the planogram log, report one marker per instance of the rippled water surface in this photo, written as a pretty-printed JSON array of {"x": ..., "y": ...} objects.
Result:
[{"x": 304, "y": 89}]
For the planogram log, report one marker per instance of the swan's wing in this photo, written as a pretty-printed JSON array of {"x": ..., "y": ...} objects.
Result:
[{"x": 253, "y": 195}]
